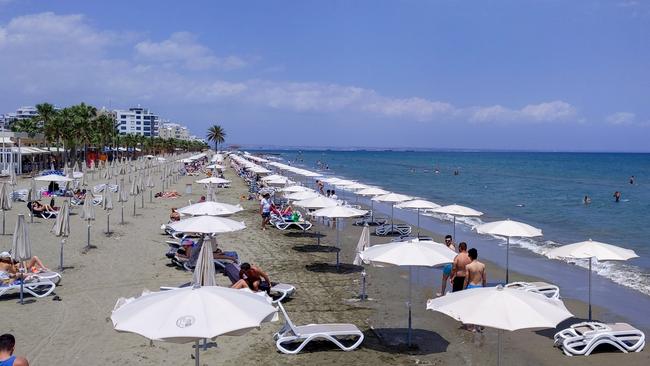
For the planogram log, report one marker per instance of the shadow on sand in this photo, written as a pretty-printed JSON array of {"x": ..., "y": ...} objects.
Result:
[
  {"x": 343, "y": 268},
  {"x": 392, "y": 340},
  {"x": 313, "y": 248}
]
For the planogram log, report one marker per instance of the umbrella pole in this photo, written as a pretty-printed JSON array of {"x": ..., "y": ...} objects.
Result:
[
  {"x": 363, "y": 285},
  {"x": 61, "y": 255},
  {"x": 418, "y": 223},
  {"x": 338, "y": 248},
  {"x": 88, "y": 236},
  {"x": 150, "y": 195},
  {"x": 108, "y": 223},
  {"x": 455, "y": 229},
  {"x": 499, "y": 347},
  {"x": 507, "y": 259},
  {"x": 3, "y": 222},
  {"x": 134, "y": 203},
  {"x": 22, "y": 281},
  {"x": 122, "y": 222},
  {"x": 372, "y": 212},
  {"x": 196, "y": 353},
  {"x": 392, "y": 217},
  {"x": 142, "y": 199},
  {"x": 408, "y": 336},
  {"x": 590, "y": 259}
]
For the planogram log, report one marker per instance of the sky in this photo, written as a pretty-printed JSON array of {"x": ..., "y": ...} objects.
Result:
[{"x": 550, "y": 75}]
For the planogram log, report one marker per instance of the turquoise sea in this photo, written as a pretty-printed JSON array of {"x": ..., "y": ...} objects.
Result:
[{"x": 545, "y": 190}]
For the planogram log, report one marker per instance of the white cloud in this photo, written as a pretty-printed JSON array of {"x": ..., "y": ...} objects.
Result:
[
  {"x": 46, "y": 56},
  {"x": 183, "y": 48},
  {"x": 555, "y": 111},
  {"x": 621, "y": 118}
]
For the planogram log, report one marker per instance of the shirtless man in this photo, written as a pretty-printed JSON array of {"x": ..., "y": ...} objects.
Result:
[
  {"x": 446, "y": 270},
  {"x": 251, "y": 276},
  {"x": 475, "y": 271},
  {"x": 458, "y": 268}
]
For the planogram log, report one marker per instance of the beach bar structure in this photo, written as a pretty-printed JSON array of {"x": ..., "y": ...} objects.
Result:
[{"x": 17, "y": 150}]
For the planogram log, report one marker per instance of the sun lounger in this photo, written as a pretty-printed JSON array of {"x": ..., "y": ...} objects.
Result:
[
  {"x": 335, "y": 333},
  {"x": 583, "y": 338},
  {"x": 20, "y": 195},
  {"x": 400, "y": 229},
  {"x": 49, "y": 275},
  {"x": 42, "y": 214},
  {"x": 282, "y": 224},
  {"x": 371, "y": 220},
  {"x": 36, "y": 287},
  {"x": 546, "y": 289}
]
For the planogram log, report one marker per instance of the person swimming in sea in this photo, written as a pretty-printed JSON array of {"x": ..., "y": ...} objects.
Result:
[
  {"x": 617, "y": 196},
  {"x": 632, "y": 180},
  {"x": 586, "y": 200}
]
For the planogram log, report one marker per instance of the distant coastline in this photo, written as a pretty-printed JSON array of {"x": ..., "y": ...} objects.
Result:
[{"x": 253, "y": 147}]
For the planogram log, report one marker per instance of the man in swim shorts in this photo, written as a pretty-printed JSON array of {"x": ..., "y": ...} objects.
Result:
[
  {"x": 458, "y": 272},
  {"x": 475, "y": 277},
  {"x": 446, "y": 270}
]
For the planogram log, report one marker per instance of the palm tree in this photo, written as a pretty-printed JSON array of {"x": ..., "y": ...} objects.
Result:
[{"x": 217, "y": 135}]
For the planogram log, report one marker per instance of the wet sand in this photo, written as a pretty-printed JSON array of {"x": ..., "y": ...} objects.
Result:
[{"x": 77, "y": 330}]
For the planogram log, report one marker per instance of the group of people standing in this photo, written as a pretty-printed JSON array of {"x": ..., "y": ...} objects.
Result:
[{"x": 466, "y": 271}]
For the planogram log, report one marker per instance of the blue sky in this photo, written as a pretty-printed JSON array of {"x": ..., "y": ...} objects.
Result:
[{"x": 545, "y": 74}]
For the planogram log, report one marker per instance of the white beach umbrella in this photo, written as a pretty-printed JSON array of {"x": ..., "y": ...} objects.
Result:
[
  {"x": 294, "y": 189},
  {"x": 344, "y": 182},
  {"x": 303, "y": 195},
  {"x": 213, "y": 180},
  {"x": 392, "y": 198},
  {"x": 5, "y": 203},
  {"x": 189, "y": 314},
  {"x": 207, "y": 225},
  {"x": 88, "y": 214},
  {"x": 409, "y": 254},
  {"x": 592, "y": 249},
  {"x": 62, "y": 227},
  {"x": 418, "y": 205},
  {"x": 316, "y": 202},
  {"x": 216, "y": 166},
  {"x": 338, "y": 213},
  {"x": 501, "y": 308},
  {"x": 331, "y": 180},
  {"x": 53, "y": 178},
  {"x": 457, "y": 210},
  {"x": 273, "y": 177},
  {"x": 21, "y": 248},
  {"x": 509, "y": 229},
  {"x": 370, "y": 192},
  {"x": 355, "y": 187},
  {"x": 204, "y": 273},
  {"x": 279, "y": 181},
  {"x": 210, "y": 208}
]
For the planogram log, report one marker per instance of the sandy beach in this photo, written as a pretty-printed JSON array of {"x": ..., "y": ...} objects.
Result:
[{"x": 77, "y": 330}]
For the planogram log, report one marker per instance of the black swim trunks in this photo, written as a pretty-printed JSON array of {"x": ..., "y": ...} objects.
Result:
[{"x": 458, "y": 284}]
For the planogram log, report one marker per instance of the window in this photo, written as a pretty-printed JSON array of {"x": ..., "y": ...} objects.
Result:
[
  {"x": 122, "y": 127},
  {"x": 123, "y": 116},
  {"x": 138, "y": 128},
  {"x": 138, "y": 117}
]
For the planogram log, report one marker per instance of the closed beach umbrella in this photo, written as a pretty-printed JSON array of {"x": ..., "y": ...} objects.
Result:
[
  {"x": 150, "y": 184},
  {"x": 501, "y": 308},
  {"x": 207, "y": 225},
  {"x": 135, "y": 190},
  {"x": 204, "y": 271},
  {"x": 210, "y": 208},
  {"x": 5, "y": 203},
  {"x": 592, "y": 249},
  {"x": 371, "y": 192},
  {"x": 107, "y": 205},
  {"x": 190, "y": 314},
  {"x": 338, "y": 213},
  {"x": 303, "y": 195},
  {"x": 32, "y": 195},
  {"x": 62, "y": 227},
  {"x": 392, "y": 198},
  {"x": 509, "y": 228},
  {"x": 362, "y": 244},
  {"x": 209, "y": 196},
  {"x": 122, "y": 196},
  {"x": 409, "y": 254},
  {"x": 21, "y": 248},
  {"x": 457, "y": 210},
  {"x": 418, "y": 205},
  {"x": 88, "y": 214}
]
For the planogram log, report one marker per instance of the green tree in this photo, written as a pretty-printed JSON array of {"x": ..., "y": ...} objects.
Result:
[{"x": 217, "y": 135}]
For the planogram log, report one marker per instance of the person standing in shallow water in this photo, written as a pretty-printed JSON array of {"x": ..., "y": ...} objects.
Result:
[{"x": 617, "y": 196}]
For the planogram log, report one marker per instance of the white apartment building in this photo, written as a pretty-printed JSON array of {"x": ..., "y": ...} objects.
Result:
[
  {"x": 24, "y": 112},
  {"x": 138, "y": 121},
  {"x": 174, "y": 130}
]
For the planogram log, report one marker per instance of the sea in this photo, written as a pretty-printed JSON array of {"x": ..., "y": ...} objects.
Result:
[{"x": 542, "y": 189}]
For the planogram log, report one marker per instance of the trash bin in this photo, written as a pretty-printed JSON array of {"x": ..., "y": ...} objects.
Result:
[{"x": 188, "y": 188}]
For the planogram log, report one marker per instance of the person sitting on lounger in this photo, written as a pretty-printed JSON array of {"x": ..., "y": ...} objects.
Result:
[
  {"x": 34, "y": 264},
  {"x": 251, "y": 277},
  {"x": 175, "y": 215}
]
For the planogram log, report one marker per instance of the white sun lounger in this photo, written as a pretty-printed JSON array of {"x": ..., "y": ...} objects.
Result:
[
  {"x": 401, "y": 229},
  {"x": 583, "y": 338},
  {"x": 280, "y": 223},
  {"x": 546, "y": 289},
  {"x": 304, "y": 334},
  {"x": 37, "y": 288},
  {"x": 49, "y": 275}
]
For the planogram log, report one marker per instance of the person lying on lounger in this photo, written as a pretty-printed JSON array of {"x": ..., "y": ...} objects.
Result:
[
  {"x": 251, "y": 277},
  {"x": 33, "y": 264},
  {"x": 38, "y": 207}
]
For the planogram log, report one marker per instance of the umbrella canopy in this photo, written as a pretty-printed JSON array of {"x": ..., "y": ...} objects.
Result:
[
  {"x": 355, "y": 186},
  {"x": 204, "y": 271},
  {"x": 279, "y": 181},
  {"x": 207, "y": 225},
  {"x": 5, "y": 200},
  {"x": 418, "y": 204},
  {"x": 339, "y": 212},
  {"x": 592, "y": 249},
  {"x": 273, "y": 177},
  {"x": 409, "y": 253},
  {"x": 62, "y": 224},
  {"x": 316, "y": 202},
  {"x": 457, "y": 210},
  {"x": 188, "y": 314},
  {"x": 21, "y": 248},
  {"x": 331, "y": 180},
  {"x": 213, "y": 180},
  {"x": 372, "y": 191},
  {"x": 296, "y": 188},
  {"x": 135, "y": 188},
  {"x": 344, "y": 183},
  {"x": 501, "y": 308},
  {"x": 210, "y": 208},
  {"x": 88, "y": 210},
  {"x": 53, "y": 178},
  {"x": 304, "y": 195},
  {"x": 123, "y": 194},
  {"x": 216, "y": 166},
  {"x": 509, "y": 228},
  {"x": 107, "y": 203}
]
